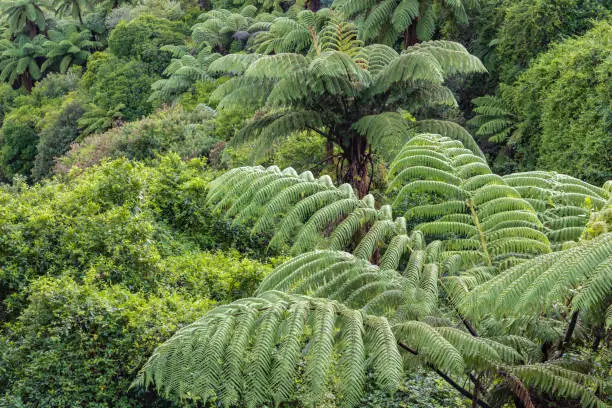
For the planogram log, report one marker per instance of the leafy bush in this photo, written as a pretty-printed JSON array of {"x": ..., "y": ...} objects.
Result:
[
  {"x": 18, "y": 140},
  {"x": 530, "y": 27},
  {"x": 563, "y": 101},
  {"x": 120, "y": 219},
  {"x": 142, "y": 39},
  {"x": 40, "y": 125},
  {"x": 77, "y": 344},
  {"x": 220, "y": 276},
  {"x": 55, "y": 85},
  {"x": 112, "y": 81},
  {"x": 60, "y": 129}
]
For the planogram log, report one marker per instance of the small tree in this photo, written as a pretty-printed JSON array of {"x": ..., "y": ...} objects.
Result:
[
  {"x": 24, "y": 17},
  {"x": 415, "y": 20},
  {"x": 20, "y": 61},
  {"x": 355, "y": 98},
  {"x": 67, "y": 47}
]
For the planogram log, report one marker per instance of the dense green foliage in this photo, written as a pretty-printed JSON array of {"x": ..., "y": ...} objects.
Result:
[
  {"x": 556, "y": 115},
  {"x": 330, "y": 203},
  {"x": 477, "y": 253},
  {"x": 66, "y": 345},
  {"x": 118, "y": 250}
]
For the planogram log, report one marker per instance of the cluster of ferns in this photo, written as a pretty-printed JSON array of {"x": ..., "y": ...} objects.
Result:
[{"x": 462, "y": 271}]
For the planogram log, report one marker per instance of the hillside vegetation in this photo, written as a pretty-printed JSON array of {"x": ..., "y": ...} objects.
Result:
[{"x": 337, "y": 203}]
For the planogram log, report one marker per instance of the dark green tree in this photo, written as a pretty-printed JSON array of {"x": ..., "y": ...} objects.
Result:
[
  {"x": 68, "y": 46},
  {"x": 20, "y": 61},
  {"x": 25, "y": 17},
  {"x": 354, "y": 98}
]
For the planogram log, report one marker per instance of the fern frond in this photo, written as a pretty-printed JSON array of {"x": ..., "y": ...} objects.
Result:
[
  {"x": 200, "y": 362},
  {"x": 548, "y": 279}
]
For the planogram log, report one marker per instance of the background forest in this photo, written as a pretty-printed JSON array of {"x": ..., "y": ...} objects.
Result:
[{"x": 385, "y": 203}]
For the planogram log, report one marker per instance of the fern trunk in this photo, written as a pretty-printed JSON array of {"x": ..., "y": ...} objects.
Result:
[
  {"x": 32, "y": 29},
  {"x": 27, "y": 81},
  {"x": 410, "y": 34},
  {"x": 358, "y": 156}
]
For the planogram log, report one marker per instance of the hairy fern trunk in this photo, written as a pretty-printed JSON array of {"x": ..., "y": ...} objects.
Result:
[
  {"x": 314, "y": 5},
  {"x": 358, "y": 156},
  {"x": 410, "y": 34}
]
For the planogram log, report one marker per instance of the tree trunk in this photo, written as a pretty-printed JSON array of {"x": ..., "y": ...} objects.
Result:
[
  {"x": 27, "y": 81},
  {"x": 568, "y": 335},
  {"x": 358, "y": 159},
  {"x": 599, "y": 333},
  {"x": 410, "y": 34},
  {"x": 32, "y": 29},
  {"x": 315, "y": 5}
]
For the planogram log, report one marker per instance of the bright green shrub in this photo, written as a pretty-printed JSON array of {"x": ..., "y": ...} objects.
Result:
[
  {"x": 79, "y": 345},
  {"x": 303, "y": 151},
  {"x": 112, "y": 81},
  {"x": 18, "y": 140},
  {"x": 220, "y": 276},
  {"x": 119, "y": 220},
  {"x": 142, "y": 39},
  {"x": 101, "y": 240},
  {"x": 531, "y": 26},
  {"x": 564, "y": 104}
]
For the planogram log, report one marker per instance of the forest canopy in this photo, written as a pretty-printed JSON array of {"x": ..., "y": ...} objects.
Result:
[{"x": 312, "y": 203}]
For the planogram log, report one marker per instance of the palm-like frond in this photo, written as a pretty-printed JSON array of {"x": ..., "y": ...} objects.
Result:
[
  {"x": 383, "y": 21},
  {"x": 581, "y": 274},
  {"x": 494, "y": 120},
  {"x": 449, "y": 193},
  {"x": 251, "y": 350},
  {"x": 563, "y": 203},
  {"x": 184, "y": 71}
]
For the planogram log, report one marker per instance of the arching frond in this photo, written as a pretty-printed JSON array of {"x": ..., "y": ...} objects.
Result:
[
  {"x": 563, "y": 203},
  {"x": 250, "y": 351},
  {"x": 452, "y": 195},
  {"x": 581, "y": 274}
]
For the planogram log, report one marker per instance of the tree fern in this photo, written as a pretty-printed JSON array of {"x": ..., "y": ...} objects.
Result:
[
  {"x": 494, "y": 120},
  {"x": 464, "y": 283},
  {"x": 383, "y": 21},
  {"x": 316, "y": 92},
  {"x": 581, "y": 273},
  {"x": 464, "y": 201}
]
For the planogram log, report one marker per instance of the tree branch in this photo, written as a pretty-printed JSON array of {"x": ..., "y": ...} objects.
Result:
[
  {"x": 568, "y": 335},
  {"x": 325, "y": 135},
  {"x": 446, "y": 378}
]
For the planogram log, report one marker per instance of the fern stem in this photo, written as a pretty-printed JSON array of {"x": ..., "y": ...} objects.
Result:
[
  {"x": 568, "y": 335},
  {"x": 483, "y": 241},
  {"x": 467, "y": 324},
  {"x": 475, "y": 396},
  {"x": 446, "y": 378}
]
